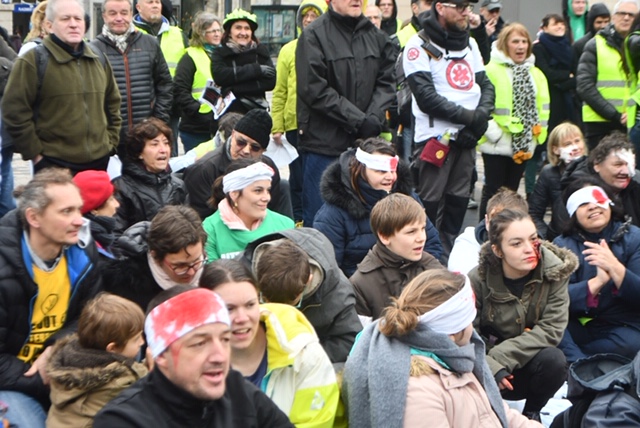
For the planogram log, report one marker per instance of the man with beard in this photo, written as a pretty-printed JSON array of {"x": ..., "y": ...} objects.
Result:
[
  {"x": 188, "y": 331},
  {"x": 139, "y": 67},
  {"x": 453, "y": 98}
]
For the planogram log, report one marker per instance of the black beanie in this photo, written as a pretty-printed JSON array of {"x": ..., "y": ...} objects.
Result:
[{"x": 256, "y": 125}]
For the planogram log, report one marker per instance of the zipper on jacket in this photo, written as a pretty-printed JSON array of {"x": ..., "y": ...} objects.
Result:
[
  {"x": 86, "y": 111},
  {"x": 127, "y": 81}
]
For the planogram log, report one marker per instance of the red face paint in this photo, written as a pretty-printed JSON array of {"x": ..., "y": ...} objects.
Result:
[{"x": 599, "y": 196}]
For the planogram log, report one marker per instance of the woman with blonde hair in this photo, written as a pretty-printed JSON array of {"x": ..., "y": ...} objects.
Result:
[
  {"x": 423, "y": 363},
  {"x": 519, "y": 120},
  {"x": 37, "y": 31},
  {"x": 565, "y": 144}
]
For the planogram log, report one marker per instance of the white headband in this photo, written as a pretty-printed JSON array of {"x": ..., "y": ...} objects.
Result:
[
  {"x": 377, "y": 162},
  {"x": 455, "y": 314},
  {"x": 593, "y": 194},
  {"x": 241, "y": 178}
]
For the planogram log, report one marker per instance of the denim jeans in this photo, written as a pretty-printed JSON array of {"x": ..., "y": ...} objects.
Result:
[
  {"x": 24, "y": 411},
  {"x": 314, "y": 166},
  {"x": 7, "y": 203}
]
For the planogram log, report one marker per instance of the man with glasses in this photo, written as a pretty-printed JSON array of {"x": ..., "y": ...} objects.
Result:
[
  {"x": 298, "y": 267},
  {"x": 604, "y": 78},
  {"x": 249, "y": 139},
  {"x": 157, "y": 255},
  {"x": 490, "y": 12},
  {"x": 452, "y": 102}
]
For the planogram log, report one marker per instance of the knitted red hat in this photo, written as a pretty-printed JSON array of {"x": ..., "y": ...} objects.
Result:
[{"x": 95, "y": 188}]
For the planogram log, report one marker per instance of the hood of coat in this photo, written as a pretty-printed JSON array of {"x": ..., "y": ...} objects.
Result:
[
  {"x": 557, "y": 263},
  {"x": 318, "y": 6},
  {"x": 595, "y": 11},
  {"x": 500, "y": 57},
  {"x": 133, "y": 242},
  {"x": 77, "y": 370},
  {"x": 319, "y": 249},
  {"x": 336, "y": 189}
]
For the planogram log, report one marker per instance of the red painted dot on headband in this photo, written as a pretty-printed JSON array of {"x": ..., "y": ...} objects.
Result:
[{"x": 599, "y": 196}]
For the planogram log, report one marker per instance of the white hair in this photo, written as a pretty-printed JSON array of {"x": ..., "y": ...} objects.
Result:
[
  {"x": 620, "y": 2},
  {"x": 50, "y": 12}
]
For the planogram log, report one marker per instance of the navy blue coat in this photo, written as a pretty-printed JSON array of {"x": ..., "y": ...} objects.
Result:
[
  {"x": 344, "y": 218},
  {"x": 614, "y": 308}
]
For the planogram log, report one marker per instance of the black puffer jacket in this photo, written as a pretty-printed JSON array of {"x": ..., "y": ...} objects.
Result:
[
  {"x": 200, "y": 176},
  {"x": 241, "y": 74},
  {"x": 130, "y": 276},
  {"x": 588, "y": 74},
  {"x": 17, "y": 296},
  {"x": 156, "y": 402},
  {"x": 142, "y": 194},
  {"x": 143, "y": 78},
  {"x": 345, "y": 70},
  {"x": 548, "y": 193}
]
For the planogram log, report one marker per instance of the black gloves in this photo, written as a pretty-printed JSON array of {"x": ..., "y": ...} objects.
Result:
[
  {"x": 466, "y": 139},
  {"x": 267, "y": 71},
  {"x": 479, "y": 124},
  {"x": 371, "y": 127}
]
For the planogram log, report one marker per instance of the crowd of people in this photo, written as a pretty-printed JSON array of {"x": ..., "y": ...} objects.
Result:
[{"x": 141, "y": 288}]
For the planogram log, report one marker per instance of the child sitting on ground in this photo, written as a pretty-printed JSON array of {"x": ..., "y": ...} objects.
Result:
[
  {"x": 398, "y": 222},
  {"x": 90, "y": 368}
]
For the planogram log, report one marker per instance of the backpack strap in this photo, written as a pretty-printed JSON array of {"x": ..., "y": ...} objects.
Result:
[{"x": 430, "y": 49}]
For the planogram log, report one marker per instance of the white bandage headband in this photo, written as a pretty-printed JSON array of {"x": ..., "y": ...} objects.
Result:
[
  {"x": 377, "y": 162},
  {"x": 241, "y": 178},
  {"x": 627, "y": 156},
  {"x": 590, "y": 194},
  {"x": 180, "y": 315},
  {"x": 455, "y": 314}
]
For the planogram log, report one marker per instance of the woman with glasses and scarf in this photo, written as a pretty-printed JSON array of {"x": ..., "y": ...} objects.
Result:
[
  {"x": 242, "y": 65},
  {"x": 240, "y": 198},
  {"x": 519, "y": 119},
  {"x": 422, "y": 364},
  {"x": 275, "y": 347},
  {"x": 194, "y": 69}
]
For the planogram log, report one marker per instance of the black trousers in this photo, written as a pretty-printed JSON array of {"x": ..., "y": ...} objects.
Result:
[
  {"x": 538, "y": 380},
  {"x": 499, "y": 171}
]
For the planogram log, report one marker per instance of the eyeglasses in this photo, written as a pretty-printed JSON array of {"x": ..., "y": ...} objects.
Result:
[
  {"x": 216, "y": 31},
  {"x": 626, "y": 14},
  {"x": 459, "y": 7},
  {"x": 241, "y": 143},
  {"x": 184, "y": 268}
]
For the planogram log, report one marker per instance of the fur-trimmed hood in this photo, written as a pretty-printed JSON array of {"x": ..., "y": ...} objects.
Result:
[
  {"x": 72, "y": 367},
  {"x": 336, "y": 189},
  {"x": 558, "y": 263}
]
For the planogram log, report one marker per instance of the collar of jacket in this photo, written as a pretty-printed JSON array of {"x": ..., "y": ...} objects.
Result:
[
  {"x": 384, "y": 257},
  {"x": 178, "y": 401},
  {"x": 140, "y": 173},
  {"x": 63, "y": 56},
  {"x": 349, "y": 22}
]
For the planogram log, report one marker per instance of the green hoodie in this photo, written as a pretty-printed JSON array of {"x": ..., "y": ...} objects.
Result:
[{"x": 283, "y": 103}]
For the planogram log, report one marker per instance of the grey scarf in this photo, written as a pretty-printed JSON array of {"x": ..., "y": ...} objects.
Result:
[
  {"x": 376, "y": 375},
  {"x": 236, "y": 48},
  {"x": 119, "y": 39}
]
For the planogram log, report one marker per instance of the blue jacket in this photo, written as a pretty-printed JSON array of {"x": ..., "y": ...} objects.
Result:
[
  {"x": 344, "y": 218},
  {"x": 616, "y": 309}
]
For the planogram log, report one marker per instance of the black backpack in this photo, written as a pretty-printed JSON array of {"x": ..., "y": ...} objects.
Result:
[
  {"x": 403, "y": 93},
  {"x": 603, "y": 390}
]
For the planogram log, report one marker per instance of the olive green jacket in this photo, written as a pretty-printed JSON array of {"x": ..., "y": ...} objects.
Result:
[{"x": 515, "y": 330}]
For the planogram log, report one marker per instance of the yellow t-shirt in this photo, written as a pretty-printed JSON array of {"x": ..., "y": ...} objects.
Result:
[{"x": 49, "y": 310}]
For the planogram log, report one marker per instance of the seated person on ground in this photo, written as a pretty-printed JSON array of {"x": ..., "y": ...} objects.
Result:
[
  {"x": 466, "y": 249},
  {"x": 241, "y": 198},
  {"x": 605, "y": 290},
  {"x": 521, "y": 294},
  {"x": 297, "y": 267},
  {"x": 91, "y": 368},
  {"x": 422, "y": 364},
  {"x": 190, "y": 384},
  {"x": 275, "y": 347},
  {"x": 398, "y": 222}
]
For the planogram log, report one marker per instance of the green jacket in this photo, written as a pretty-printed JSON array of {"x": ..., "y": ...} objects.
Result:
[
  {"x": 79, "y": 115},
  {"x": 522, "y": 327}
]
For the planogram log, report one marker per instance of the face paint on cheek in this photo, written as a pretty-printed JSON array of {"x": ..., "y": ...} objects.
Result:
[
  {"x": 536, "y": 251},
  {"x": 628, "y": 157}
]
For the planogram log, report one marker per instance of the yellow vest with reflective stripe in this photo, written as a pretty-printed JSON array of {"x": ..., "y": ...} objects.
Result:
[
  {"x": 635, "y": 85},
  {"x": 405, "y": 34},
  {"x": 498, "y": 75},
  {"x": 611, "y": 81},
  {"x": 172, "y": 46},
  {"x": 203, "y": 73}
]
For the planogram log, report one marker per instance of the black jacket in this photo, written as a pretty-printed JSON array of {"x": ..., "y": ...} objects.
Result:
[
  {"x": 191, "y": 120},
  {"x": 142, "y": 194},
  {"x": 17, "y": 295},
  {"x": 345, "y": 70},
  {"x": 548, "y": 193},
  {"x": 329, "y": 302},
  {"x": 595, "y": 10},
  {"x": 156, "y": 402},
  {"x": 241, "y": 74},
  {"x": 199, "y": 179},
  {"x": 129, "y": 276},
  {"x": 588, "y": 74},
  {"x": 143, "y": 78}
]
